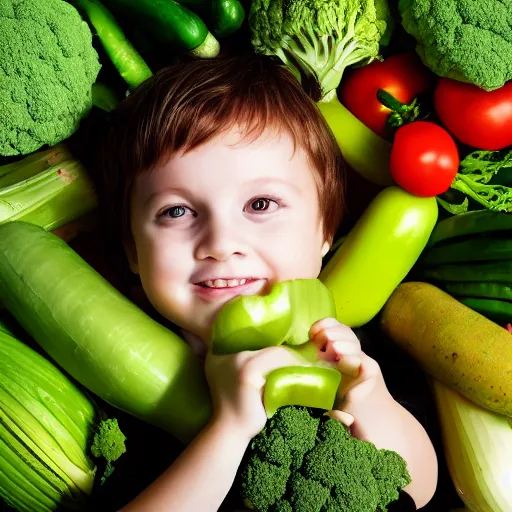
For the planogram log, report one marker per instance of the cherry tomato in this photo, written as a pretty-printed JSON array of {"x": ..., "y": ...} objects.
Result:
[
  {"x": 424, "y": 159},
  {"x": 476, "y": 117},
  {"x": 404, "y": 76}
]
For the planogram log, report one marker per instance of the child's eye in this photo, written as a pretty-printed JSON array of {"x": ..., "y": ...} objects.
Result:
[
  {"x": 174, "y": 212},
  {"x": 263, "y": 204}
]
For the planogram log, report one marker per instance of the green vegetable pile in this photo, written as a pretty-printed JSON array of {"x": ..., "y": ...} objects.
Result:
[
  {"x": 302, "y": 462},
  {"x": 48, "y": 66},
  {"x": 449, "y": 32}
]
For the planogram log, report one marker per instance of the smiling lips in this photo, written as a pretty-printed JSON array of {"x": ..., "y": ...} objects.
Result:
[{"x": 213, "y": 289}]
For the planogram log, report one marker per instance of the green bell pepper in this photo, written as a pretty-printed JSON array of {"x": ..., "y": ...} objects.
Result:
[
  {"x": 284, "y": 316},
  {"x": 309, "y": 386}
]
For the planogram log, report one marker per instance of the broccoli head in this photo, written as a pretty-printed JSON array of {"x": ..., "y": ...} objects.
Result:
[
  {"x": 467, "y": 40},
  {"x": 47, "y": 68},
  {"x": 108, "y": 443},
  {"x": 331, "y": 471},
  {"x": 320, "y": 38}
]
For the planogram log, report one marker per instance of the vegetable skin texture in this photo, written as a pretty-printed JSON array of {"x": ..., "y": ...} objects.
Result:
[
  {"x": 452, "y": 343},
  {"x": 378, "y": 253},
  {"x": 475, "y": 445},
  {"x": 469, "y": 223},
  {"x": 467, "y": 41},
  {"x": 97, "y": 335},
  {"x": 307, "y": 463},
  {"x": 319, "y": 39},
  {"x": 45, "y": 428},
  {"x": 48, "y": 66}
]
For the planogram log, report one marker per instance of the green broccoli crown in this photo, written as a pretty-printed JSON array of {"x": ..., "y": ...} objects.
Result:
[
  {"x": 47, "y": 68},
  {"x": 469, "y": 41},
  {"x": 319, "y": 38},
  {"x": 108, "y": 443},
  {"x": 331, "y": 471}
]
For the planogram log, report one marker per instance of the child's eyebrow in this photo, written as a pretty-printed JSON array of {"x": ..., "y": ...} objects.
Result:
[
  {"x": 279, "y": 181},
  {"x": 166, "y": 190}
]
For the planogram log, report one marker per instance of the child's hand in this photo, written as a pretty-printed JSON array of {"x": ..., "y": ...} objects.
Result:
[
  {"x": 339, "y": 344},
  {"x": 236, "y": 384}
]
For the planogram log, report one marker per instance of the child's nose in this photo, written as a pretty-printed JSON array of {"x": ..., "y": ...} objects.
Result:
[{"x": 220, "y": 240}]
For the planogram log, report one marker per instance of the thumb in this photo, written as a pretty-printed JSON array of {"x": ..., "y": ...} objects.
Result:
[
  {"x": 268, "y": 359},
  {"x": 341, "y": 416}
]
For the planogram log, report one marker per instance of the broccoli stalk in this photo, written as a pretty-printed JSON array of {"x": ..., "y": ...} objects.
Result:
[
  {"x": 109, "y": 444},
  {"x": 319, "y": 39},
  {"x": 306, "y": 462},
  {"x": 473, "y": 179}
]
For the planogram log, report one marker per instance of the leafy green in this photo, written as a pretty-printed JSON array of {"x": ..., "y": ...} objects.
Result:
[
  {"x": 320, "y": 38},
  {"x": 467, "y": 40},
  {"x": 304, "y": 462},
  {"x": 47, "y": 68},
  {"x": 474, "y": 180}
]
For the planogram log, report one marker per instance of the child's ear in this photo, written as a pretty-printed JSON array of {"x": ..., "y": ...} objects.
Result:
[
  {"x": 131, "y": 254},
  {"x": 325, "y": 248}
]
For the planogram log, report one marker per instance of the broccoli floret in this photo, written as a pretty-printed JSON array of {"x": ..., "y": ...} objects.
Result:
[
  {"x": 47, "y": 68},
  {"x": 108, "y": 443},
  {"x": 390, "y": 473},
  {"x": 307, "y": 495},
  {"x": 469, "y": 41},
  {"x": 320, "y": 38},
  {"x": 337, "y": 472}
]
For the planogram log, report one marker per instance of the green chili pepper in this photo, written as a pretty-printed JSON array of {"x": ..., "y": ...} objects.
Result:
[
  {"x": 308, "y": 386},
  {"x": 285, "y": 315}
]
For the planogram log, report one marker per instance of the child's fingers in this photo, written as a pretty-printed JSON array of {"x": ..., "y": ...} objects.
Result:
[
  {"x": 324, "y": 323},
  {"x": 341, "y": 416},
  {"x": 349, "y": 365}
]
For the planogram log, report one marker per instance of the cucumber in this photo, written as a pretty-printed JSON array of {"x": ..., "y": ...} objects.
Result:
[
  {"x": 484, "y": 290},
  {"x": 482, "y": 248},
  {"x": 495, "y": 272},
  {"x": 498, "y": 311},
  {"x": 97, "y": 335},
  {"x": 470, "y": 223},
  {"x": 172, "y": 24}
]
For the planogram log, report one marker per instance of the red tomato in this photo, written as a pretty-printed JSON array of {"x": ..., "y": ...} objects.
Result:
[
  {"x": 404, "y": 76},
  {"x": 476, "y": 117},
  {"x": 424, "y": 159}
]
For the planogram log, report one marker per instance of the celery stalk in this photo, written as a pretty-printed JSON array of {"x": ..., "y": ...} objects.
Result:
[
  {"x": 50, "y": 198},
  {"x": 32, "y": 164},
  {"x": 476, "y": 444}
]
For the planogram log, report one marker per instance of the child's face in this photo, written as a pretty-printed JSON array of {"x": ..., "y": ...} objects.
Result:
[{"x": 223, "y": 220}]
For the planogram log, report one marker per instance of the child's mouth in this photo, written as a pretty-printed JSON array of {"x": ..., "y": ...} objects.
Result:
[{"x": 219, "y": 288}]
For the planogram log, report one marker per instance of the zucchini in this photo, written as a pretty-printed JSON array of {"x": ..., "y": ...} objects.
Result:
[
  {"x": 172, "y": 24},
  {"x": 476, "y": 443},
  {"x": 498, "y": 311},
  {"x": 483, "y": 248},
  {"x": 97, "y": 335},
  {"x": 470, "y": 223},
  {"x": 497, "y": 271},
  {"x": 484, "y": 290}
]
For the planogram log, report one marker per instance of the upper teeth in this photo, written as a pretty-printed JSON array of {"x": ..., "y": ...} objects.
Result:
[{"x": 224, "y": 283}]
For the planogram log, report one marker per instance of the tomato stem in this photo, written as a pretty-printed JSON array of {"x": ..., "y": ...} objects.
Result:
[{"x": 400, "y": 112}]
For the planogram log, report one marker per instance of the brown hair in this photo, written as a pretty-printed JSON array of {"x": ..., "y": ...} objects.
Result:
[{"x": 186, "y": 105}]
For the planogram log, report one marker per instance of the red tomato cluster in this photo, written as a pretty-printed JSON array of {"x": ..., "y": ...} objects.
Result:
[{"x": 424, "y": 158}]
